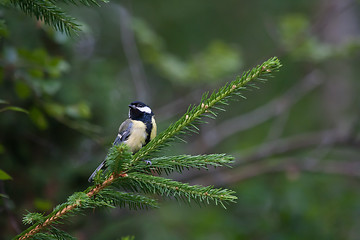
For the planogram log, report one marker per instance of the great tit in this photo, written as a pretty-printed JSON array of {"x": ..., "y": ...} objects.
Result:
[{"x": 136, "y": 131}]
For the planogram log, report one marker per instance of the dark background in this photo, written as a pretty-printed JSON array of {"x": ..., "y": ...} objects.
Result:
[{"x": 295, "y": 140}]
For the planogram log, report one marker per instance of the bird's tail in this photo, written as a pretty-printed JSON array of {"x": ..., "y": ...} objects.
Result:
[{"x": 101, "y": 166}]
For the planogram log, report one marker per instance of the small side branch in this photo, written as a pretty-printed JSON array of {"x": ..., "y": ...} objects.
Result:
[
  {"x": 258, "y": 116},
  {"x": 53, "y": 217},
  {"x": 121, "y": 163}
]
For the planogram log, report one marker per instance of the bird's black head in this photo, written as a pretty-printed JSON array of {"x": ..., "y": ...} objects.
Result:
[{"x": 140, "y": 111}]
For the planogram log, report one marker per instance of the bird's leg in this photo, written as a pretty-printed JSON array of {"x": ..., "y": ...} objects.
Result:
[{"x": 148, "y": 162}]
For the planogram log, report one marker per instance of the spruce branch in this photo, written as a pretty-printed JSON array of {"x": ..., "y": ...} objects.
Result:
[
  {"x": 75, "y": 203},
  {"x": 178, "y": 163},
  {"x": 48, "y": 12},
  {"x": 208, "y": 107},
  {"x": 85, "y": 2},
  {"x": 118, "y": 158},
  {"x": 32, "y": 218},
  {"x": 51, "y": 14},
  {"x": 127, "y": 171},
  {"x": 54, "y": 234},
  {"x": 180, "y": 191},
  {"x": 123, "y": 199},
  {"x": 60, "y": 234}
]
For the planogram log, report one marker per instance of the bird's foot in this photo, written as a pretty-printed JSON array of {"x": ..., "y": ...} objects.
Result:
[{"x": 148, "y": 162}]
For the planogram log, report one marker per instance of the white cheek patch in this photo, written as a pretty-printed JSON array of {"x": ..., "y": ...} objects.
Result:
[{"x": 144, "y": 109}]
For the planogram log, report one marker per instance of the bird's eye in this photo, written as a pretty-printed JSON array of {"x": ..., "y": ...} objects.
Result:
[{"x": 138, "y": 104}]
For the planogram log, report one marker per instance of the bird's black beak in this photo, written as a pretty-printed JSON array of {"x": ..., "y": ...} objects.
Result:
[{"x": 132, "y": 106}]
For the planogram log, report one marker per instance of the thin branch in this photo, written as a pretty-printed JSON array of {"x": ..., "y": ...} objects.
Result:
[
  {"x": 208, "y": 107},
  {"x": 322, "y": 139},
  {"x": 53, "y": 217},
  {"x": 258, "y": 116},
  {"x": 292, "y": 166},
  {"x": 53, "y": 15},
  {"x": 124, "y": 166},
  {"x": 327, "y": 138},
  {"x": 170, "y": 109},
  {"x": 48, "y": 12},
  {"x": 132, "y": 54},
  {"x": 277, "y": 127}
]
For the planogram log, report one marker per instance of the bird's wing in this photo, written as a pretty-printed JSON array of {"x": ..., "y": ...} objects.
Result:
[
  {"x": 101, "y": 166},
  {"x": 124, "y": 132}
]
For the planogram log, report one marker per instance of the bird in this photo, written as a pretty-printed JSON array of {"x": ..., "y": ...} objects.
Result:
[{"x": 136, "y": 131}]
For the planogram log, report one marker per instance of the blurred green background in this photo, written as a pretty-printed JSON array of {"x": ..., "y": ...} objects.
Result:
[{"x": 296, "y": 140}]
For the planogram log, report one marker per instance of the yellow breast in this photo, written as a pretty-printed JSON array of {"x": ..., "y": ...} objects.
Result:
[
  {"x": 154, "y": 129},
  {"x": 137, "y": 136}
]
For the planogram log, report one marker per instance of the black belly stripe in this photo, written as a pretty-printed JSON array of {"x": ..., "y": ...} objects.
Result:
[{"x": 148, "y": 131}]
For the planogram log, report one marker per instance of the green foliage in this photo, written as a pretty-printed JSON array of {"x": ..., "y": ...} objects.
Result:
[
  {"x": 32, "y": 218},
  {"x": 48, "y": 12},
  {"x": 128, "y": 238},
  {"x": 274, "y": 203},
  {"x": 43, "y": 205},
  {"x": 4, "y": 31},
  {"x": 178, "y": 163},
  {"x": 38, "y": 118},
  {"x": 37, "y": 77},
  {"x": 4, "y": 176},
  {"x": 60, "y": 234},
  {"x": 218, "y": 59},
  {"x": 53, "y": 234},
  {"x": 208, "y": 107},
  {"x": 119, "y": 156},
  {"x": 51, "y": 13},
  {"x": 41, "y": 63},
  {"x": 11, "y": 108},
  {"x": 179, "y": 191},
  {"x": 44, "y": 236},
  {"x": 2, "y": 149},
  {"x": 82, "y": 201},
  {"x": 85, "y": 2},
  {"x": 126, "y": 199},
  {"x": 127, "y": 171},
  {"x": 297, "y": 38}
]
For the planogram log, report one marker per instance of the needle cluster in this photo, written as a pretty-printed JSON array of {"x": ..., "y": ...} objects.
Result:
[
  {"x": 49, "y": 12},
  {"x": 130, "y": 182}
]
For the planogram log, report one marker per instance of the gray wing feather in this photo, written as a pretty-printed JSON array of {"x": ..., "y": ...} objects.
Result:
[
  {"x": 124, "y": 132},
  {"x": 101, "y": 166}
]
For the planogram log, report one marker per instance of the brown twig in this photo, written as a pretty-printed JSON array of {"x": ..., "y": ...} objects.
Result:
[
  {"x": 292, "y": 166},
  {"x": 326, "y": 138},
  {"x": 251, "y": 165},
  {"x": 69, "y": 208}
]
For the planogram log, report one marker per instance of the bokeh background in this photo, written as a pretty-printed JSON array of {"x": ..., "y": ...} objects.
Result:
[{"x": 295, "y": 140}]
